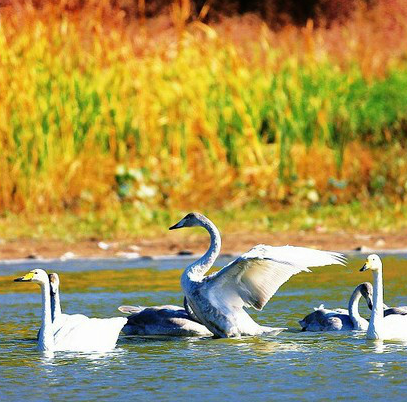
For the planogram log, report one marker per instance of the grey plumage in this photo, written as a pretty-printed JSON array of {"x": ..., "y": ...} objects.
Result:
[
  {"x": 167, "y": 320},
  {"x": 323, "y": 319}
]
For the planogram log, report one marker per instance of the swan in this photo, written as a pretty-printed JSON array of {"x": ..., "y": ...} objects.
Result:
[
  {"x": 391, "y": 326},
  {"x": 165, "y": 320},
  {"x": 92, "y": 334},
  {"x": 58, "y": 318},
  {"x": 249, "y": 281},
  {"x": 323, "y": 319}
]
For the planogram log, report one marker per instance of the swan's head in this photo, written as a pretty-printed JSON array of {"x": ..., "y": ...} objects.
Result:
[
  {"x": 192, "y": 219},
  {"x": 36, "y": 275},
  {"x": 366, "y": 289},
  {"x": 54, "y": 282},
  {"x": 373, "y": 262}
]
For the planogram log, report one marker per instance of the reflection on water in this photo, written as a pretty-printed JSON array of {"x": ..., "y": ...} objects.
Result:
[{"x": 294, "y": 365}]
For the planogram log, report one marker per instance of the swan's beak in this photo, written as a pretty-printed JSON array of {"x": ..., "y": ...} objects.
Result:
[
  {"x": 178, "y": 225},
  {"x": 365, "y": 267},
  {"x": 26, "y": 278}
]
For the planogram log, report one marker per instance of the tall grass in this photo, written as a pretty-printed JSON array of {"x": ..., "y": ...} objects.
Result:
[{"x": 97, "y": 116}]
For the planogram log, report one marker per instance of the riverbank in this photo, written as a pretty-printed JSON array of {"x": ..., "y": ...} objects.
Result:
[
  {"x": 174, "y": 244},
  {"x": 128, "y": 234}
]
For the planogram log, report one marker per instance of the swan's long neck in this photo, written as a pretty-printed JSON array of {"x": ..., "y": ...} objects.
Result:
[
  {"x": 353, "y": 308},
  {"x": 46, "y": 336},
  {"x": 197, "y": 270},
  {"x": 377, "y": 316},
  {"x": 55, "y": 306}
]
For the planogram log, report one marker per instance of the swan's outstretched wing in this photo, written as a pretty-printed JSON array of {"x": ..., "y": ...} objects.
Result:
[{"x": 252, "y": 279}]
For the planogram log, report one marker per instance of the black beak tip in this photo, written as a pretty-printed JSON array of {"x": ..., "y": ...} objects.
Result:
[
  {"x": 18, "y": 280},
  {"x": 363, "y": 268},
  {"x": 172, "y": 228}
]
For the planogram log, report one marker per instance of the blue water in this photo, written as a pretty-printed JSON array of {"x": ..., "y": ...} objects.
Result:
[{"x": 292, "y": 366}]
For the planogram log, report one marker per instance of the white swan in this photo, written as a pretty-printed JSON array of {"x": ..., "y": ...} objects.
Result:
[
  {"x": 92, "y": 334},
  {"x": 249, "y": 281},
  {"x": 393, "y": 326},
  {"x": 323, "y": 319},
  {"x": 165, "y": 320}
]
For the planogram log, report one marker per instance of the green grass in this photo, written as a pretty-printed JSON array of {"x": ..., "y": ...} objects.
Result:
[{"x": 129, "y": 224}]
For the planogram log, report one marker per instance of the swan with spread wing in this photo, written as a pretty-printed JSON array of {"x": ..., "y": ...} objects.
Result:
[{"x": 218, "y": 300}]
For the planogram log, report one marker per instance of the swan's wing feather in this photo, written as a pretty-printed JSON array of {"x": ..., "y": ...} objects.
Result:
[
  {"x": 252, "y": 279},
  {"x": 157, "y": 314},
  {"x": 402, "y": 310},
  {"x": 130, "y": 309},
  {"x": 342, "y": 311}
]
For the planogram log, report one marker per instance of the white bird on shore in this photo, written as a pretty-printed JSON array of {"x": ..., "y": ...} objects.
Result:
[
  {"x": 218, "y": 300},
  {"x": 392, "y": 325},
  {"x": 323, "y": 319},
  {"x": 165, "y": 320},
  {"x": 91, "y": 334}
]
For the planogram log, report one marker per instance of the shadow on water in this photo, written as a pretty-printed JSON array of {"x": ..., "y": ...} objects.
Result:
[{"x": 294, "y": 365}]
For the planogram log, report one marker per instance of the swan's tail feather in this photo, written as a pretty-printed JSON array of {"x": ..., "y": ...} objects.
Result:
[
  {"x": 273, "y": 331},
  {"x": 131, "y": 309}
]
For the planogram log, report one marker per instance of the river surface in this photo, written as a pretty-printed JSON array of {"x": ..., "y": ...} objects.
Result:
[{"x": 291, "y": 366}]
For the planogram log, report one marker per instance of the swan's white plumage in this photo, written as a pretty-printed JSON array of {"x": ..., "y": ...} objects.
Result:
[{"x": 90, "y": 334}]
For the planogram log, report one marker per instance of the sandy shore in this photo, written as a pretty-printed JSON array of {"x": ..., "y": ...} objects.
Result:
[{"x": 176, "y": 243}]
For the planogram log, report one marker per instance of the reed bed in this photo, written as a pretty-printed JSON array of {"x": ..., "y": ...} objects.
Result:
[{"x": 98, "y": 114}]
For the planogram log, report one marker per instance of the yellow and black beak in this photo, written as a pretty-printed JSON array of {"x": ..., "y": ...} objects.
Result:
[
  {"x": 365, "y": 267},
  {"x": 26, "y": 278}
]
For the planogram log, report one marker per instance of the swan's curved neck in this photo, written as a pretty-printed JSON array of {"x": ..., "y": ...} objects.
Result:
[
  {"x": 377, "y": 316},
  {"x": 353, "y": 308},
  {"x": 55, "y": 306},
  {"x": 197, "y": 270},
  {"x": 46, "y": 336}
]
